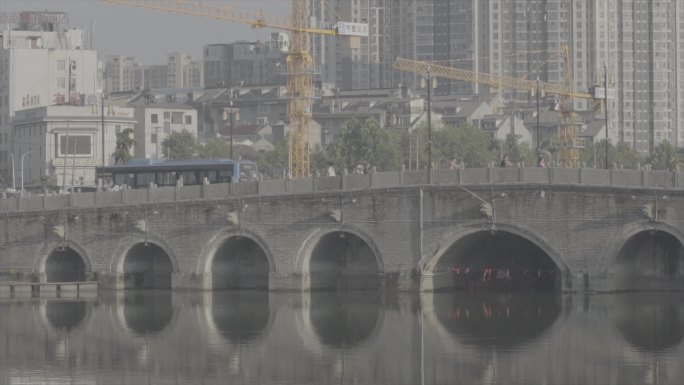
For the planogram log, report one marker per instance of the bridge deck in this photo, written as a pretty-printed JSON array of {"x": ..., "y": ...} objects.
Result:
[{"x": 616, "y": 178}]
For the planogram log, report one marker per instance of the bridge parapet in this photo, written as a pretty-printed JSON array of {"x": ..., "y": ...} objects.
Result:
[{"x": 353, "y": 182}]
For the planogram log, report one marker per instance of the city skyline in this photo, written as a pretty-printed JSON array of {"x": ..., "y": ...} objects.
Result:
[{"x": 132, "y": 32}]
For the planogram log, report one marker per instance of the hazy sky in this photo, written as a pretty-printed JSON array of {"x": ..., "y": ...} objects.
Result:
[{"x": 150, "y": 35}]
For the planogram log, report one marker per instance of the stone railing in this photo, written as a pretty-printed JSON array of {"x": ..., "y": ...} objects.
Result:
[{"x": 353, "y": 182}]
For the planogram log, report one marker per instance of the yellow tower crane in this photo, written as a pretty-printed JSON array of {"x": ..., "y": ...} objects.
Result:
[
  {"x": 568, "y": 143},
  {"x": 300, "y": 68}
]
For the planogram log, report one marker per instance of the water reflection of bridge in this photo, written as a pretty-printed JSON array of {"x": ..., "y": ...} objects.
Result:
[{"x": 372, "y": 337}]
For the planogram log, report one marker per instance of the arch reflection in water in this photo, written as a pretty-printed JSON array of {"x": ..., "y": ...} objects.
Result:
[
  {"x": 499, "y": 260},
  {"x": 240, "y": 263},
  {"x": 651, "y": 322},
  {"x": 241, "y": 316},
  {"x": 147, "y": 266},
  {"x": 147, "y": 312},
  {"x": 65, "y": 265},
  {"x": 496, "y": 320},
  {"x": 650, "y": 259},
  {"x": 341, "y": 260},
  {"x": 66, "y": 315},
  {"x": 344, "y": 319}
]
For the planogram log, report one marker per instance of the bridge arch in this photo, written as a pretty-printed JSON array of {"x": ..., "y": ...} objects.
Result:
[
  {"x": 325, "y": 260},
  {"x": 535, "y": 262},
  {"x": 245, "y": 240},
  {"x": 143, "y": 313},
  {"x": 59, "y": 315},
  {"x": 486, "y": 319},
  {"x": 62, "y": 262},
  {"x": 145, "y": 263},
  {"x": 644, "y": 251},
  {"x": 347, "y": 321}
]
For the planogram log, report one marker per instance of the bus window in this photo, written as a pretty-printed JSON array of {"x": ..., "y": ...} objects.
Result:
[
  {"x": 224, "y": 176},
  {"x": 143, "y": 179},
  {"x": 248, "y": 172},
  {"x": 124, "y": 179}
]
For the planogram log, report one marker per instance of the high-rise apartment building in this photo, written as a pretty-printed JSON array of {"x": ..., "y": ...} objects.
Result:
[
  {"x": 246, "y": 63},
  {"x": 123, "y": 73},
  {"x": 42, "y": 64},
  {"x": 641, "y": 42},
  {"x": 354, "y": 62},
  {"x": 183, "y": 71}
]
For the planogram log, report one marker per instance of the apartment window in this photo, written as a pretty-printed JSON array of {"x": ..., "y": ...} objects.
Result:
[
  {"x": 117, "y": 129},
  {"x": 61, "y": 65},
  {"x": 176, "y": 118},
  {"x": 188, "y": 119},
  {"x": 154, "y": 118},
  {"x": 153, "y": 138},
  {"x": 61, "y": 82},
  {"x": 167, "y": 115}
]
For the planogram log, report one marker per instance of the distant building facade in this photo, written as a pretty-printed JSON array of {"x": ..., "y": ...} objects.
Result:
[
  {"x": 183, "y": 71},
  {"x": 64, "y": 143},
  {"x": 246, "y": 63},
  {"x": 42, "y": 68}
]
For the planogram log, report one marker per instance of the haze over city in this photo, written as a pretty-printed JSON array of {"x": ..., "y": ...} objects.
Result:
[
  {"x": 149, "y": 35},
  {"x": 385, "y": 192}
]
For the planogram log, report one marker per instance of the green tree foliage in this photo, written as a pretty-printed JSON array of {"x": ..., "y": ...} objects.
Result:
[
  {"x": 180, "y": 145},
  {"x": 594, "y": 155},
  {"x": 366, "y": 143},
  {"x": 273, "y": 163},
  {"x": 626, "y": 157},
  {"x": 519, "y": 152},
  {"x": 664, "y": 157},
  {"x": 124, "y": 144},
  {"x": 214, "y": 149},
  {"x": 470, "y": 146},
  {"x": 319, "y": 161}
]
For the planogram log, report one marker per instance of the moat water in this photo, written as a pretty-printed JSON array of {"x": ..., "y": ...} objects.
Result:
[{"x": 159, "y": 337}]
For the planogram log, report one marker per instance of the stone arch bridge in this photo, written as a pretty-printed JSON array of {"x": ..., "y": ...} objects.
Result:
[{"x": 563, "y": 229}]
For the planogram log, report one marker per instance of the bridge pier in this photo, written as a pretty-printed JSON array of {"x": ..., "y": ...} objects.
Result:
[{"x": 190, "y": 281}]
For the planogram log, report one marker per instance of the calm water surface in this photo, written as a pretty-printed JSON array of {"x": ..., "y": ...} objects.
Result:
[{"x": 337, "y": 338}]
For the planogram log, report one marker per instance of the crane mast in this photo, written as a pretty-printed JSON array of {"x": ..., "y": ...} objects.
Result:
[
  {"x": 300, "y": 91},
  {"x": 299, "y": 61}
]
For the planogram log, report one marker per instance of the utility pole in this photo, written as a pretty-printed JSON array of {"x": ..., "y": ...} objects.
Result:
[
  {"x": 429, "y": 114},
  {"x": 605, "y": 85},
  {"x": 538, "y": 133},
  {"x": 104, "y": 155}
]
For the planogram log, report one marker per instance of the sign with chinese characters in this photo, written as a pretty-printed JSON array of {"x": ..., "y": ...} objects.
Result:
[
  {"x": 30, "y": 100},
  {"x": 352, "y": 29}
]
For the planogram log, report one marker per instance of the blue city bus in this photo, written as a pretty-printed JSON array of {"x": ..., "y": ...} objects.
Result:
[{"x": 139, "y": 173}]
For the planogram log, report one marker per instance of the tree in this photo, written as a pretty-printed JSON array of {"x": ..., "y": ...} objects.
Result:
[
  {"x": 664, "y": 157},
  {"x": 518, "y": 152},
  {"x": 470, "y": 146},
  {"x": 627, "y": 157},
  {"x": 273, "y": 163},
  {"x": 180, "y": 145},
  {"x": 366, "y": 142},
  {"x": 319, "y": 161},
  {"x": 594, "y": 155},
  {"x": 214, "y": 148},
  {"x": 124, "y": 143}
]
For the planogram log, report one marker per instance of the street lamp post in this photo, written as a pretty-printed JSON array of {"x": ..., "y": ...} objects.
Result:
[
  {"x": 22, "y": 171},
  {"x": 429, "y": 116},
  {"x": 538, "y": 133},
  {"x": 231, "y": 122},
  {"x": 104, "y": 156},
  {"x": 605, "y": 85}
]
